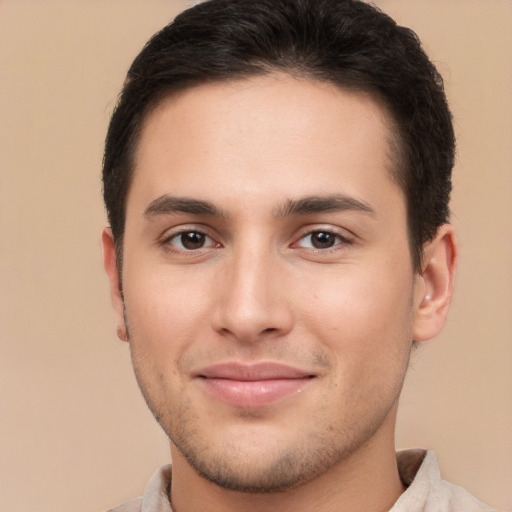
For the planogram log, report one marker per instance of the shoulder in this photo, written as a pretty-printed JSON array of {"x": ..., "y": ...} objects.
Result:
[
  {"x": 156, "y": 494},
  {"x": 128, "y": 506},
  {"x": 447, "y": 496},
  {"x": 426, "y": 489},
  {"x": 458, "y": 498}
]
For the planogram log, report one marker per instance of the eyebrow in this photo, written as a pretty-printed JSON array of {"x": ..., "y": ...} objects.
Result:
[
  {"x": 167, "y": 205},
  {"x": 320, "y": 204}
]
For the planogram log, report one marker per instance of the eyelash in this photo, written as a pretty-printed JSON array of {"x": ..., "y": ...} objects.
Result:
[
  {"x": 340, "y": 240},
  {"x": 167, "y": 241}
]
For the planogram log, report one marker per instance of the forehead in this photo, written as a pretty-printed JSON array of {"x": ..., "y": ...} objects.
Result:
[{"x": 264, "y": 134}]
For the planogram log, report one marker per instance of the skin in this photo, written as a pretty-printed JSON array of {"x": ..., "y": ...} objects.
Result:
[{"x": 260, "y": 287}]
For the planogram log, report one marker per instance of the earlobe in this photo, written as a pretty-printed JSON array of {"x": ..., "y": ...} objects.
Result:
[
  {"x": 434, "y": 293},
  {"x": 113, "y": 274}
]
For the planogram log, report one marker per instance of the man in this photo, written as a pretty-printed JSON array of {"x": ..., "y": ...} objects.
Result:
[{"x": 277, "y": 176}]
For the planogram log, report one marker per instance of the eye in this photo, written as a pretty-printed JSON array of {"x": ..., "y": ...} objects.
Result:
[
  {"x": 321, "y": 239},
  {"x": 190, "y": 241}
]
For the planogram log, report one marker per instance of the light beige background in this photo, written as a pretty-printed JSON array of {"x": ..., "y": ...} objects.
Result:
[{"x": 74, "y": 432}]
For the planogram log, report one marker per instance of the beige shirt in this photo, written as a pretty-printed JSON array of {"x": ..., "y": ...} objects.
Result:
[{"x": 419, "y": 471}]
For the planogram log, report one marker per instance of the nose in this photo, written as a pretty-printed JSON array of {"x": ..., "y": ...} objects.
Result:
[{"x": 253, "y": 302}]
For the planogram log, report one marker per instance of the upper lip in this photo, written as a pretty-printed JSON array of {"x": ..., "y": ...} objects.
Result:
[{"x": 252, "y": 372}]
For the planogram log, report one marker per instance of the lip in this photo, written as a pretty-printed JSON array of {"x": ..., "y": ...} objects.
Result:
[{"x": 252, "y": 386}]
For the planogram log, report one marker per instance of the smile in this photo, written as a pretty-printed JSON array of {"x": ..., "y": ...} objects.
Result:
[{"x": 253, "y": 386}]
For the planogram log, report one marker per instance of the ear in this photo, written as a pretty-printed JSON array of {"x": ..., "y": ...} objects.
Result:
[
  {"x": 113, "y": 273},
  {"x": 435, "y": 284}
]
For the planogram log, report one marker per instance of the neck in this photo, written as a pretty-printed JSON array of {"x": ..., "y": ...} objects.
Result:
[{"x": 367, "y": 480}]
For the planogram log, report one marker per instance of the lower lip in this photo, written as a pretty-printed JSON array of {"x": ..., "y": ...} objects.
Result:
[{"x": 254, "y": 394}]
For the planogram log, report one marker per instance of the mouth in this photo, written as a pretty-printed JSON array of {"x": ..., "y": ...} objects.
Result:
[{"x": 252, "y": 386}]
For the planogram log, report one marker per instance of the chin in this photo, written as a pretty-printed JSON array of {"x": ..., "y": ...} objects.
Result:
[
  {"x": 258, "y": 462},
  {"x": 254, "y": 475}
]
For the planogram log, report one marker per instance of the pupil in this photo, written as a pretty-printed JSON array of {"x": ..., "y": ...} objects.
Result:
[
  {"x": 192, "y": 240},
  {"x": 322, "y": 240}
]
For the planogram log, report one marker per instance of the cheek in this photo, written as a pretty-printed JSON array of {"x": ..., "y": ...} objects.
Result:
[
  {"x": 163, "y": 316},
  {"x": 366, "y": 334},
  {"x": 363, "y": 313},
  {"x": 164, "y": 312}
]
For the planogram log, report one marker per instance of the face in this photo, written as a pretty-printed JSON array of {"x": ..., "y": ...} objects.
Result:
[{"x": 268, "y": 289}]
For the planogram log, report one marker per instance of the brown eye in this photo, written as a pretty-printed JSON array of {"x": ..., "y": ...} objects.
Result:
[
  {"x": 319, "y": 240},
  {"x": 190, "y": 241},
  {"x": 322, "y": 239}
]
